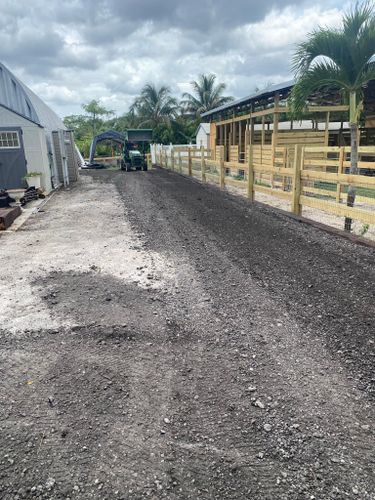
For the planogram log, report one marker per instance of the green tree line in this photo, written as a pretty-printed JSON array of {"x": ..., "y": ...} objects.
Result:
[{"x": 172, "y": 121}]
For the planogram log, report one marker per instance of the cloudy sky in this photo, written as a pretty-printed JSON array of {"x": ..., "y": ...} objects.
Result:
[{"x": 72, "y": 51}]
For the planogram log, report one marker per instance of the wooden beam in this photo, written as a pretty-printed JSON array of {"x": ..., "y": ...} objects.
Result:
[
  {"x": 340, "y": 171},
  {"x": 339, "y": 209},
  {"x": 172, "y": 158},
  {"x": 203, "y": 167},
  {"x": 190, "y": 167},
  {"x": 274, "y": 133},
  {"x": 239, "y": 139},
  {"x": 298, "y": 165},
  {"x": 326, "y": 131},
  {"x": 250, "y": 174},
  {"x": 273, "y": 192},
  {"x": 271, "y": 111},
  {"x": 356, "y": 180},
  {"x": 222, "y": 171}
]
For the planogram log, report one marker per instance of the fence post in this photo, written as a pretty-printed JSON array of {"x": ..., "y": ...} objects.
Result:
[
  {"x": 340, "y": 171},
  {"x": 172, "y": 158},
  {"x": 250, "y": 173},
  {"x": 190, "y": 170},
  {"x": 222, "y": 170},
  {"x": 203, "y": 167},
  {"x": 285, "y": 165},
  {"x": 298, "y": 166},
  {"x": 179, "y": 161}
]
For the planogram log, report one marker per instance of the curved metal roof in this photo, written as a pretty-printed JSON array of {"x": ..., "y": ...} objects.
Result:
[{"x": 17, "y": 97}]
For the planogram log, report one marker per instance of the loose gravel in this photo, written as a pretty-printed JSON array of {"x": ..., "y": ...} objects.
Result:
[{"x": 162, "y": 339}]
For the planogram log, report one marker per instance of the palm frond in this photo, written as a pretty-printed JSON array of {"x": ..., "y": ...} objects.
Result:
[
  {"x": 355, "y": 20},
  {"x": 335, "y": 58},
  {"x": 366, "y": 75},
  {"x": 321, "y": 76},
  {"x": 207, "y": 95}
]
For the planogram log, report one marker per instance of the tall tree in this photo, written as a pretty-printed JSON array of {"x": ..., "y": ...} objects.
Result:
[
  {"x": 79, "y": 124},
  {"x": 95, "y": 111},
  {"x": 341, "y": 59},
  {"x": 154, "y": 106},
  {"x": 206, "y": 95}
]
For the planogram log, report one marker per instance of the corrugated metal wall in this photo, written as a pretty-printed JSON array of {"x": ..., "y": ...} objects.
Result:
[{"x": 65, "y": 157}]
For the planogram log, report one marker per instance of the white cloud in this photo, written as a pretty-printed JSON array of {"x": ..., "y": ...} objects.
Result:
[{"x": 71, "y": 52}]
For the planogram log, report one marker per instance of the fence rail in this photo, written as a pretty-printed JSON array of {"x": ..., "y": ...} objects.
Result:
[{"x": 304, "y": 176}]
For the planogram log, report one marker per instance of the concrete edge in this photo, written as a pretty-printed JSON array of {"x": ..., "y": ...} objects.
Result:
[{"x": 27, "y": 213}]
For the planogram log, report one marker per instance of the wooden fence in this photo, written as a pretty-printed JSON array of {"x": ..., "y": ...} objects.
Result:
[{"x": 305, "y": 176}]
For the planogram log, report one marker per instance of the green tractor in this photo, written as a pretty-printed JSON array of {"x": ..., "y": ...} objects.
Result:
[
  {"x": 133, "y": 153},
  {"x": 133, "y": 159},
  {"x": 133, "y": 143}
]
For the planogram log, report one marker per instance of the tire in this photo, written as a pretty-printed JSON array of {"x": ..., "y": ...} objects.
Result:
[{"x": 144, "y": 168}]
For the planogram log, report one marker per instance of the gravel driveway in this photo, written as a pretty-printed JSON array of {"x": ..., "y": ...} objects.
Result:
[{"x": 161, "y": 339}]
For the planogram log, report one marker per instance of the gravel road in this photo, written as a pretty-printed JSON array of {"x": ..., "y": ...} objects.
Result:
[{"x": 161, "y": 339}]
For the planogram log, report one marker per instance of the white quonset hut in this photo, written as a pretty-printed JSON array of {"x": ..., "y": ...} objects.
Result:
[{"x": 32, "y": 138}]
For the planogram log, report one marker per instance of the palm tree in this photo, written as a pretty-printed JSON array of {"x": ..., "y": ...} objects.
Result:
[
  {"x": 340, "y": 59},
  {"x": 155, "y": 106},
  {"x": 206, "y": 96}
]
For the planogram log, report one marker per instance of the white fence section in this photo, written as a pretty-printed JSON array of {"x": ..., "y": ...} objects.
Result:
[{"x": 165, "y": 151}]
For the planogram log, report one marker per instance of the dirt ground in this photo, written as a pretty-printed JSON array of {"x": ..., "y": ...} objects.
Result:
[{"x": 160, "y": 339}]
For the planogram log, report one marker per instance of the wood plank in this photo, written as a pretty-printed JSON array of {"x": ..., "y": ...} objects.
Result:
[
  {"x": 222, "y": 174},
  {"x": 235, "y": 164},
  {"x": 273, "y": 192},
  {"x": 8, "y": 216},
  {"x": 332, "y": 194},
  {"x": 339, "y": 172},
  {"x": 320, "y": 192},
  {"x": 356, "y": 180},
  {"x": 235, "y": 182},
  {"x": 213, "y": 177},
  {"x": 282, "y": 109},
  {"x": 322, "y": 149},
  {"x": 322, "y": 163},
  {"x": 203, "y": 166},
  {"x": 297, "y": 183},
  {"x": 302, "y": 133},
  {"x": 339, "y": 209},
  {"x": 368, "y": 150},
  {"x": 250, "y": 173},
  {"x": 189, "y": 162},
  {"x": 273, "y": 170},
  {"x": 212, "y": 163}
]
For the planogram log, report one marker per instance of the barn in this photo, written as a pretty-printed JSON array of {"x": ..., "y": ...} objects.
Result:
[{"x": 33, "y": 139}]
